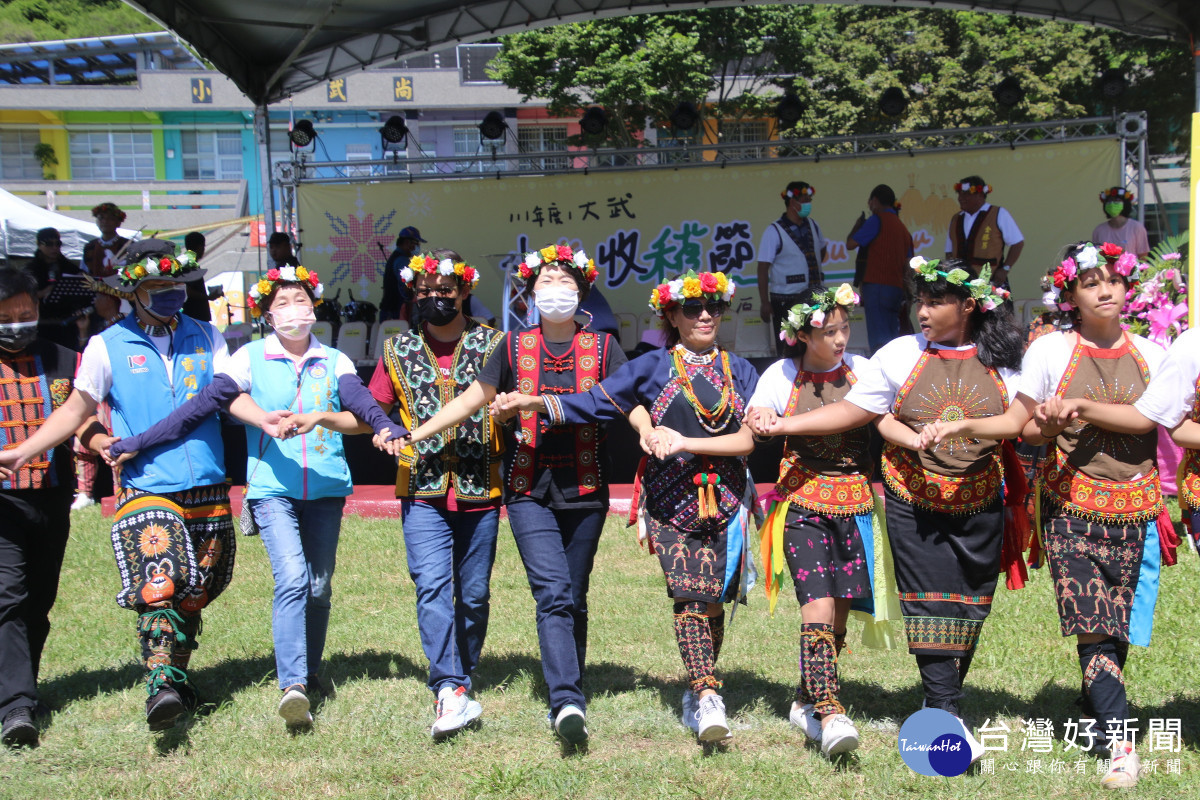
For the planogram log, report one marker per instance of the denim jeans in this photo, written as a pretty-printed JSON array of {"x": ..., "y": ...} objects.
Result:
[
  {"x": 450, "y": 556},
  {"x": 301, "y": 537},
  {"x": 881, "y": 304},
  {"x": 558, "y": 548}
]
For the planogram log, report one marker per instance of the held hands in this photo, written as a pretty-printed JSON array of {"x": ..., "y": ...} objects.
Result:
[
  {"x": 662, "y": 442},
  {"x": 762, "y": 420},
  {"x": 105, "y": 443},
  {"x": 507, "y": 404},
  {"x": 935, "y": 433},
  {"x": 1057, "y": 413},
  {"x": 386, "y": 440},
  {"x": 272, "y": 424}
]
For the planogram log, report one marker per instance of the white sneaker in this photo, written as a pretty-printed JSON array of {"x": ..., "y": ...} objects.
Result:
[
  {"x": 1123, "y": 769},
  {"x": 802, "y": 717},
  {"x": 82, "y": 501},
  {"x": 571, "y": 725},
  {"x": 972, "y": 742},
  {"x": 691, "y": 710},
  {"x": 838, "y": 736},
  {"x": 455, "y": 710},
  {"x": 710, "y": 720},
  {"x": 294, "y": 707}
]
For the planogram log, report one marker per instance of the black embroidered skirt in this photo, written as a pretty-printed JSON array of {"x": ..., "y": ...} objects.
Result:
[
  {"x": 695, "y": 562},
  {"x": 825, "y": 555}
]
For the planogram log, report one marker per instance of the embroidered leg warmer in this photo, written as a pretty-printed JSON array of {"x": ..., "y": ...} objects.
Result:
[
  {"x": 818, "y": 668},
  {"x": 161, "y": 632},
  {"x": 1104, "y": 684},
  {"x": 695, "y": 639},
  {"x": 939, "y": 679},
  {"x": 716, "y": 626}
]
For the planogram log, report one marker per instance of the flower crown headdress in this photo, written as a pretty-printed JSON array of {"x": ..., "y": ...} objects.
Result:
[
  {"x": 156, "y": 266},
  {"x": 1087, "y": 256},
  {"x": 789, "y": 194},
  {"x": 275, "y": 275},
  {"x": 428, "y": 264},
  {"x": 109, "y": 208},
  {"x": 551, "y": 254},
  {"x": 973, "y": 188},
  {"x": 711, "y": 286},
  {"x": 813, "y": 314},
  {"x": 988, "y": 297},
  {"x": 1116, "y": 193}
]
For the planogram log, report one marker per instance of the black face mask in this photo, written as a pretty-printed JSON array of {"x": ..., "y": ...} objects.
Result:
[{"x": 437, "y": 311}]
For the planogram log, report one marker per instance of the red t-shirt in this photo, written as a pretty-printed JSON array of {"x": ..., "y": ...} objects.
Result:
[{"x": 383, "y": 391}]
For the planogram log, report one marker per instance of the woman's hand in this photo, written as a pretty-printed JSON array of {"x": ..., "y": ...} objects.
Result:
[
  {"x": 515, "y": 401},
  {"x": 106, "y": 453},
  {"x": 1056, "y": 414},
  {"x": 761, "y": 419},
  {"x": 668, "y": 442},
  {"x": 649, "y": 441},
  {"x": 299, "y": 424},
  {"x": 272, "y": 423}
]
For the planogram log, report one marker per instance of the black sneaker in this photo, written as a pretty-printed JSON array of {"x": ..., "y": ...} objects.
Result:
[
  {"x": 19, "y": 730},
  {"x": 164, "y": 708}
]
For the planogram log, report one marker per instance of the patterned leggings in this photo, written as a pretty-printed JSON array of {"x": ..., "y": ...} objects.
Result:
[
  {"x": 819, "y": 685},
  {"x": 699, "y": 637}
]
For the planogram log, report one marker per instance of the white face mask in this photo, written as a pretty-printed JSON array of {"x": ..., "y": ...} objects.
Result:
[
  {"x": 556, "y": 303},
  {"x": 293, "y": 322}
]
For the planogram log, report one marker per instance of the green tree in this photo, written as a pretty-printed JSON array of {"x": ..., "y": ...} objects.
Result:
[
  {"x": 839, "y": 60},
  {"x": 44, "y": 20}
]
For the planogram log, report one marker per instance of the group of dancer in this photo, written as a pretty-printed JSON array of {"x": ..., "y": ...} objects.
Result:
[{"x": 485, "y": 418}]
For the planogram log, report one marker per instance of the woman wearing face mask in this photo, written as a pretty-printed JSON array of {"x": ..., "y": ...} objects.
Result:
[
  {"x": 555, "y": 479},
  {"x": 686, "y": 402},
  {"x": 1120, "y": 228},
  {"x": 297, "y": 484}
]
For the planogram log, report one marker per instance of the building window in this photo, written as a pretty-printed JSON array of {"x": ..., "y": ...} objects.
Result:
[
  {"x": 476, "y": 153},
  {"x": 112, "y": 156},
  {"x": 744, "y": 131},
  {"x": 212, "y": 155},
  {"x": 542, "y": 139},
  {"x": 358, "y": 152},
  {"x": 17, "y": 162}
]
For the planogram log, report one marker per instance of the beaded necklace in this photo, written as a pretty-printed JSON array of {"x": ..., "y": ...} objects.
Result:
[{"x": 715, "y": 419}]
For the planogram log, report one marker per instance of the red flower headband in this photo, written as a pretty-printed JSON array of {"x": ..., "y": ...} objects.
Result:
[
  {"x": 109, "y": 208},
  {"x": 793, "y": 193},
  {"x": 973, "y": 188},
  {"x": 1116, "y": 193}
]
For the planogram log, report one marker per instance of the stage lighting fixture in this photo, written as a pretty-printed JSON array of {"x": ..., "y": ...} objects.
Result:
[
  {"x": 303, "y": 133},
  {"x": 789, "y": 110},
  {"x": 594, "y": 121},
  {"x": 1008, "y": 92},
  {"x": 493, "y": 126},
  {"x": 1113, "y": 83},
  {"x": 394, "y": 130},
  {"x": 685, "y": 116},
  {"x": 892, "y": 102}
]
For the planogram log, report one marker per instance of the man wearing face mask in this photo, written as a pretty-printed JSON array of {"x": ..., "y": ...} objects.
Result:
[
  {"x": 35, "y": 374},
  {"x": 789, "y": 256},
  {"x": 394, "y": 304},
  {"x": 450, "y": 486},
  {"x": 173, "y": 533}
]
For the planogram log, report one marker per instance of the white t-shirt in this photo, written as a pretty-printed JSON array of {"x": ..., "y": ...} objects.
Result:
[
  {"x": 775, "y": 386},
  {"x": 1004, "y": 221},
  {"x": 237, "y": 366},
  {"x": 1049, "y": 356},
  {"x": 891, "y": 365},
  {"x": 1172, "y": 391},
  {"x": 94, "y": 377}
]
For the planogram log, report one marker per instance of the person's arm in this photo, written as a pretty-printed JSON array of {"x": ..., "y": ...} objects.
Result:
[
  {"x": 337, "y": 421},
  {"x": 1008, "y": 425},
  {"x": 1187, "y": 434},
  {"x": 65, "y": 422},
  {"x": 473, "y": 398},
  {"x": 1115, "y": 417},
  {"x": 1014, "y": 253},
  {"x": 896, "y": 432},
  {"x": 834, "y": 418},
  {"x": 183, "y": 420},
  {"x": 356, "y": 398},
  {"x": 245, "y": 410},
  {"x": 764, "y": 282},
  {"x": 670, "y": 442}
]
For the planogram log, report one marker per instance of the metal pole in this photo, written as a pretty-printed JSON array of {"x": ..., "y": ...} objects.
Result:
[{"x": 262, "y": 136}]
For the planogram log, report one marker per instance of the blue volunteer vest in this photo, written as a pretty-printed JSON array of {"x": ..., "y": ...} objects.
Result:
[{"x": 142, "y": 394}]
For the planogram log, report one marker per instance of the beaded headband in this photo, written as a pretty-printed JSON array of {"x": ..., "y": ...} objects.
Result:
[
  {"x": 428, "y": 264},
  {"x": 276, "y": 275},
  {"x": 988, "y": 296},
  {"x": 552, "y": 254},
  {"x": 710, "y": 286},
  {"x": 1087, "y": 256},
  {"x": 813, "y": 314}
]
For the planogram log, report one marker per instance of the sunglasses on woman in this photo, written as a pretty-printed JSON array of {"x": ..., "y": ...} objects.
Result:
[{"x": 715, "y": 310}]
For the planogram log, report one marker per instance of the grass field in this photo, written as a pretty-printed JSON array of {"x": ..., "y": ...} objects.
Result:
[{"x": 372, "y": 741}]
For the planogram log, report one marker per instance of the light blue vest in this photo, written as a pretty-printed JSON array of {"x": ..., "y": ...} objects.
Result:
[
  {"x": 304, "y": 467},
  {"x": 142, "y": 394}
]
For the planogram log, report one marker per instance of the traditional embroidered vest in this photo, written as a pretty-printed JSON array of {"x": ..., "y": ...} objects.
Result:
[
  {"x": 100, "y": 259},
  {"x": 561, "y": 447},
  {"x": 669, "y": 485},
  {"x": 1189, "y": 470},
  {"x": 1095, "y": 473},
  {"x": 959, "y": 476},
  {"x": 470, "y": 452},
  {"x": 826, "y": 474},
  {"x": 33, "y": 383},
  {"x": 984, "y": 245}
]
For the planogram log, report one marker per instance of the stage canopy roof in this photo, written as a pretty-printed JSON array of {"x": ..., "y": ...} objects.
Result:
[{"x": 272, "y": 50}]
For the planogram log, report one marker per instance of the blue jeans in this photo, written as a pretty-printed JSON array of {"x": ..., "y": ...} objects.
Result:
[
  {"x": 450, "y": 556},
  {"x": 301, "y": 537},
  {"x": 881, "y": 305},
  {"x": 558, "y": 548}
]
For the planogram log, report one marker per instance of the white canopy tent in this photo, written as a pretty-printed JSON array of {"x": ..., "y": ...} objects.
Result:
[{"x": 20, "y": 221}]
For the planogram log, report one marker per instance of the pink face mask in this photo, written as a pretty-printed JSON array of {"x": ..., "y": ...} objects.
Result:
[{"x": 293, "y": 322}]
